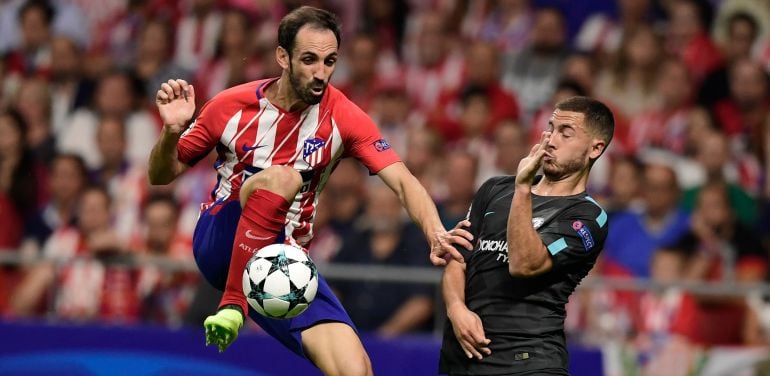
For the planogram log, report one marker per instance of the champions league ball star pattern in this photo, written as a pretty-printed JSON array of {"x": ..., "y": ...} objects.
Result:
[{"x": 280, "y": 281}]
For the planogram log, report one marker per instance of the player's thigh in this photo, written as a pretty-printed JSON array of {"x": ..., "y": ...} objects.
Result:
[
  {"x": 335, "y": 348},
  {"x": 281, "y": 180},
  {"x": 213, "y": 241}
]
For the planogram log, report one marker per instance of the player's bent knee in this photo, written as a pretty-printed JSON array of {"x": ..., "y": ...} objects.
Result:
[{"x": 281, "y": 180}]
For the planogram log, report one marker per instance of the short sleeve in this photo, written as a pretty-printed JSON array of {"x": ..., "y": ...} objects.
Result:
[
  {"x": 200, "y": 138},
  {"x": 576, "y": 236},
  {"x": 361, "y": 137}
]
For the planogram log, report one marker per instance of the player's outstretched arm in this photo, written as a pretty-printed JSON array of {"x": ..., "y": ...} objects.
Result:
[
  {"x": 176, "y": 104},
  {"x": 466, "y": 324},
  {"x": 421, "y": 208}
]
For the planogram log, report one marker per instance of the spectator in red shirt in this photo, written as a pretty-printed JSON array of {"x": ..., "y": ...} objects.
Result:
[
  {"x": 744, "y": 111},
  {"x": 362, "y": 81},
  {"x": 482, "y": 70},
  {"x": 688, "y": 38},
  {"x": 668, "y": 321},
  {"x": 165, "y": 294},
  {"x": 665, "y": 126},
  {"x": 77, "y": 264},
  {"x": 33, "y": 57},
  {"x": 435, "y": 66}
]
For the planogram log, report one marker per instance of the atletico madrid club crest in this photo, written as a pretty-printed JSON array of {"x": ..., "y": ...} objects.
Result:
[{"x": 312, "y": 151}]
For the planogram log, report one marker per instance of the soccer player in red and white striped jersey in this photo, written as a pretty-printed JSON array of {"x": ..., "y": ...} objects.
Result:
[{"x": 277, "y": 141}]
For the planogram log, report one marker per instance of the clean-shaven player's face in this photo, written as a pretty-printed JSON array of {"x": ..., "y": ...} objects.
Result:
[
  {"x": 571, "y": 145},
  {"x": 312, "y": 63}
]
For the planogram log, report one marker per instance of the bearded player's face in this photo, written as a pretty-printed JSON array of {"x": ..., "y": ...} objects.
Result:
[
  {"x": 568, "y": 150},
  {"x": 312, "y": 63}
]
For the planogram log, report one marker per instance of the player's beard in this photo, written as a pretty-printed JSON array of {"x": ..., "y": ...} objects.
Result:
[
  {"x": 555, "y": 170},
  {"x": 305, "y": 92}
]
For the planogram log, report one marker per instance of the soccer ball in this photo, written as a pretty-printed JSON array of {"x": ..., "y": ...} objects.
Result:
[{"x": 280, "y": 281}]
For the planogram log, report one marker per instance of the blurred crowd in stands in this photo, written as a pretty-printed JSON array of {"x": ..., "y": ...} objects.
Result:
[{"x": 459, "y": 88}]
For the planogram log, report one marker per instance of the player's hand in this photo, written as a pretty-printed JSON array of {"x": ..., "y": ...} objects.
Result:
[
  {"x": 176, "y": 104},
  {"x": 469, "y": 332},
  {"x": 442, "y": 246},
  {"x": 529, "y": 165}
]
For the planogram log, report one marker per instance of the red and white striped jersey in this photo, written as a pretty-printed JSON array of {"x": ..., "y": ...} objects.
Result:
[{"x": 251, "y": 134}]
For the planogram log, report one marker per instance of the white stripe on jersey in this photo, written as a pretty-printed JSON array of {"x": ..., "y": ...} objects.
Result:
[
  {"x": 228, "y": 135},
  {"x": 247, "y": 126},
  {"x": 268, "y": 124},
  {"x": 226, "y": 169},
  {"x": 293, "y": 217},
  {"x": 299, "y": 124}
]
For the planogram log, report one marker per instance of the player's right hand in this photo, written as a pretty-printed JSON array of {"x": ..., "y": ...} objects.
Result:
[
  {"x": 469, "y": 332},
  {"x": 176, "y": 104}
]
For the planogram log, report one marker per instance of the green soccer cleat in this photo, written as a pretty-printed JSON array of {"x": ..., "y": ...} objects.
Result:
[{"x": 222, "y": 328}]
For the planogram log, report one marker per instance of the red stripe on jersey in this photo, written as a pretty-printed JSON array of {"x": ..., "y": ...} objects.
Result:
[
  {"x": 286, "y": 138},
  {"x": 244, "y": 135}
]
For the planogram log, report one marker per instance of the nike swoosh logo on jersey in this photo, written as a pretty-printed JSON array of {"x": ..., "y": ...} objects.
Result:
[
  {"x": 247, "y": 148},
  {"x": 252, "y": 236},
  {"x": 488, "y": 213}
]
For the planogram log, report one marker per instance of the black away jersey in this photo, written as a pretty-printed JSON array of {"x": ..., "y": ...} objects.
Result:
[{"x": 524, "y": 317}]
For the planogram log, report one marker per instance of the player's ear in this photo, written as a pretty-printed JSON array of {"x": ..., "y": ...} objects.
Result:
[
  {"x": 597, "y": 148},
  {"x": 282, "y": 57}
]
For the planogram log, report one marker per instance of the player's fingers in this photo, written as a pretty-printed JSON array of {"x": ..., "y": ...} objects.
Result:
[
  {"x": 461, "y": 241},
  {"x": 462, "y": 224},
  {"x": 168, "y": 89},
  {"x": 465, "y": 234},
  {"x": 437, "y": 260},
  {"x": 485, "y": 350},
  {"x": 161, "y": 97},
  {"x": 182, "y": 83},
  {"x": 190, "y": 93},
  {"x": 456, "y": 255},
  {"x": 465, "y": 347},
  {"x": 470, "y": 350},
  {"x": 177, "y": 88}
]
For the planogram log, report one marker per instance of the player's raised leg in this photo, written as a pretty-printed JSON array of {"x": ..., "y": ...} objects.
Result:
[
  {"x": 335, "y": 348},
  {"x": 265, "y": 198}
]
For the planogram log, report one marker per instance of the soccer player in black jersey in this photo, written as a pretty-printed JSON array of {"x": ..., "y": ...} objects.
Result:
[{"x": 536, "y": 237}]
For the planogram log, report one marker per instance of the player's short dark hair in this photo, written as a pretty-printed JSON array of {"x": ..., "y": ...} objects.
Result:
[
  {"x": 598, "y": 117},
  {"x": 306, "y": 15}
]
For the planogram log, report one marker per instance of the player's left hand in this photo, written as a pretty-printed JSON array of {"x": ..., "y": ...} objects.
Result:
[
  {"x": 529, "y": 165},
  {"x": 441, "y": 245}
]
